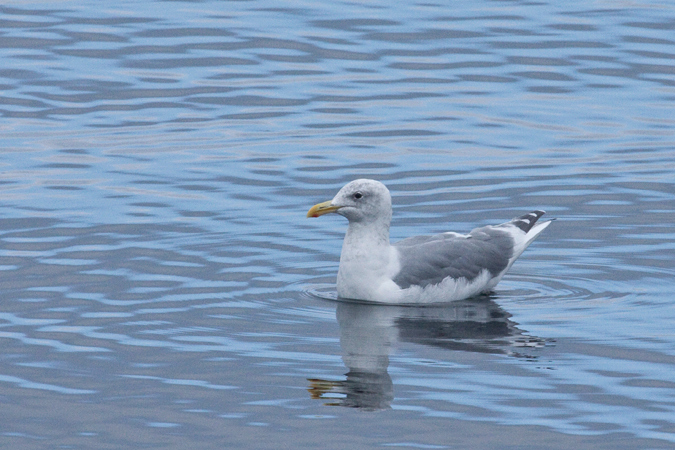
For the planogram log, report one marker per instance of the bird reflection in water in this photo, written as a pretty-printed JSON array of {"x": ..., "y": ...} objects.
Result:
[{"x": 368, "y": 332}]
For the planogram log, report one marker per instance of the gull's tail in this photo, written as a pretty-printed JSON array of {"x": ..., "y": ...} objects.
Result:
[{"x": 527, "y": 223}]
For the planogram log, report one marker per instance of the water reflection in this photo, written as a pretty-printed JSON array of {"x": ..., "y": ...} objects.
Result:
[{"x": 369, "y": 332}]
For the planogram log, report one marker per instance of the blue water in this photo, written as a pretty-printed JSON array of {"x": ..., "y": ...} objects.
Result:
[{"x": 162, "y": 288}]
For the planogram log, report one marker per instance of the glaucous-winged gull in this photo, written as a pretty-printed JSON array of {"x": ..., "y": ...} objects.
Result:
[{"x": 421, "y": 269}]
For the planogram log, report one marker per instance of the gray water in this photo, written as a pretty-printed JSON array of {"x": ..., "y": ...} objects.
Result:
[{"x": 162, "y": 288}]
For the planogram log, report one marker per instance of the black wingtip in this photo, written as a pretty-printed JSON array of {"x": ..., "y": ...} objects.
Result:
[{"x": 527, "y": 221}]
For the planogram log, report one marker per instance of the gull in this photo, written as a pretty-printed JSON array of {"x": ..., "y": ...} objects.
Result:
[{"x": 423, "y": 269}]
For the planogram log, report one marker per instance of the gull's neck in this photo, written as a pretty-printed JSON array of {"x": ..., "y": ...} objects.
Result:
[{"x": 371, "y": 235}]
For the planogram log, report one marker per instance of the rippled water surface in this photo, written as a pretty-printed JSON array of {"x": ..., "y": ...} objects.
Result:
[{"x": 162, "y": 288}]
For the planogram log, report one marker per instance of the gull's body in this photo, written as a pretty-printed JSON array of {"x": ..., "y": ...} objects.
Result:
[{"x": 422, "y": 269}]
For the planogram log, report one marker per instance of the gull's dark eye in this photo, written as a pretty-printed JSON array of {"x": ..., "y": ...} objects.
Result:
[{"x": 358, "y": 195}]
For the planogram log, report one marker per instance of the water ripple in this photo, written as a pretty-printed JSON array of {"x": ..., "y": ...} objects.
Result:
[{"x": 157, "y": 164}]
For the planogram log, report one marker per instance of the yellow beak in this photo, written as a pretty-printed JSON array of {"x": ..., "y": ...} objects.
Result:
[{"x": 321, "y": 209}]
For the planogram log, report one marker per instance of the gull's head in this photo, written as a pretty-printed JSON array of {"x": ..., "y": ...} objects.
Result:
[{"x": 359, "y": 201}]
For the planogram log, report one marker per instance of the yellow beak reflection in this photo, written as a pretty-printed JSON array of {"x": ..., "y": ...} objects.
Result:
[{"x": 321, "y": 209}]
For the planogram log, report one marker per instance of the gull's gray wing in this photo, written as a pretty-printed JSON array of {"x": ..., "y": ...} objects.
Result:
[{"x": 428, "y": 260}]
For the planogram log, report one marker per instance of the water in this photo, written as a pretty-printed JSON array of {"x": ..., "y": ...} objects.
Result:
[{"x": 161, "y": 287}]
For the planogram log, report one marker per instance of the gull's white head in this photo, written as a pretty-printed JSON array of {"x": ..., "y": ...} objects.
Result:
[{"x": 361, "y": 201}]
